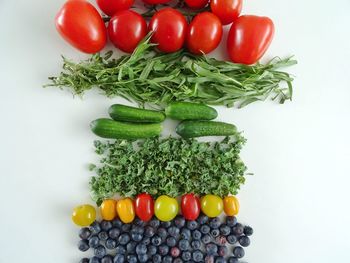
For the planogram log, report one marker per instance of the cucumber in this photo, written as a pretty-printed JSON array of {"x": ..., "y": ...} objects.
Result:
[
  {"x": 120, "y": 112},
  {"x": 190, "y": 111},
  {"x": 107, "y": 128},
  {"x": 191, "y": 129}
]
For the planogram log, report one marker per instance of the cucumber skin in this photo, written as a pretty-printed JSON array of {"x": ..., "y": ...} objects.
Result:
[
  {"x": 107, "y": 128},
  {"x": 191, "y": 129},
  {"x": 119, "y": 112},
  {"x": 190, "y": 111}
]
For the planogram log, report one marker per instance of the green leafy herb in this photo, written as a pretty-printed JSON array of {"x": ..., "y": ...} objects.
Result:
[
  {"x": 150, "y": 77},
  {"x": 170, "y": 166}
]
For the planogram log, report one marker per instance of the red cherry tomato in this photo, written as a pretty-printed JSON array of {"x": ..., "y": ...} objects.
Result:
[
  {"x": 170, "y": 28},
  {"x": 144, "y": 206},
  {"x": 155, "y": 2},
  {"x": 226, "y": 10},
  {"x": 249, "y": 38},
  {"x": 110, "y": 7},
  {"x": 190, "y": 206},
  {"x": 80, "y": 24},
  {"x": 204, "y": 33},
  {"x": 126, "y": 29},
  {"x": 196, "y": 4}
]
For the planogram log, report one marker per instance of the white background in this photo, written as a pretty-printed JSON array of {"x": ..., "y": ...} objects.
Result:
[{"x": 298, "y": 199}]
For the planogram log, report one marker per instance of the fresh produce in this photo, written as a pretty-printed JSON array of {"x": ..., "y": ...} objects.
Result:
[
  {"x": 107, "y": 128},
  {"x": 249, "y": 38},
  {"x": 84, "y": 215},
  {"x": 190, "y": 206},
  {"x": 191, "y": 129},
  {"x": 110, "y": 7},
  {"x": 126, "y": 210},
  {"x": 226, "y": 10},
  {"x": 169, "y": 28},
  {"x": 231, "y": 205},
  {"x": 144, "y": 206},
  {"x": 80, "y": 24},
  {"x": 195, "y": 167},
  {"x": 150, "y": 77},
  {"x": 166, "y": 208},
  {"x": 155, "y": 2},
  {"x": 204, "y": 33},
  {"x": 121, "y": 112},
  {"x": 109, "y": 209},
  {"x": 126, "y": 29},
  {"x": 190, "y": 111},
  {"x": 212, "y": 205},
  {"x": 196, "y": 4}
]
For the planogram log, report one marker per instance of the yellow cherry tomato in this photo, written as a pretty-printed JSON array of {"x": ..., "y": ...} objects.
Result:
[
  {"x": 231, "y": 205},
  {"x": 166, "y": 208},
  {"x": 212, "y": 205},
  {"x": 84, "y": 215},
  {"x": 109, "y": 209},
  {"x": 126, "y": 210}
]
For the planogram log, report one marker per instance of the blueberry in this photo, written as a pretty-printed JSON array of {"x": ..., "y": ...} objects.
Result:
[
  {"x": 103, "y": 235},
  {"x": 136, "y": 237},
  {"x": 100, "y": 251},
  {"x": 84, "y": 233},
  {"x": 244, "y": 241},
  {"x": 231, "y": 221},
  {"x": 196, "y": 244},
  {"x": 248, "y": 231},
  {"x": 175, "y": 252},
  {"x": 130, "y": 247},
  {"x": 221, "y": 240},
  {"x": 119, "y": 258},
  {"x": 231, "y": 239},
  {"x": 106, "y": 225},
  {"x": 157, "y": 258},
  {"x": 186, "y": 256},
  {"x": 197, "y": 256},
  {"x": 238, "y": 229},
  {"x": 114, "y": 233},
  {"x": 215, "y": 232},
  {"x": 120, "y": 250},
  {"x": 166, "y": 224},
  {"x": 137, "y": 230},
  {"x": 179, "y": 221},
  {"x": 110, "y": 243},
  {"x": 124, "y": 239},
  {"x": 95, "y": 228},
  {"x": 94, "y": 260},
  {"x": 222, "y": 251},
  {"x": 139, "y": 222},
  {"x": 125, "y": 227},
  {"x": 149, "y": 231},
  {"x": 162, "y": 232},
  {"x": 117, "y": 223},
  {"x": 83, "y": 245},
  {"x": 192, "y": 225},
  {"x": 196, "y": 234},
  {"x": 142, "y": 258},
  {"x": 154, "y": 222},
  {"x": 202, "y": 219},
  {"x": 171, "y": 241},
  {"x": 185, "y": 233},
  {"x": 215, "y": 223},
  {"x": 184, "y": 244},
  {"x": 177, "y": 260},
  {"x": 209, "y": 259},
  {"x": 156, "y": 240},
  {"x": 174, "y": 231},
  {"x": 232, "y": 260},
  {"x": 132, "y": 258},
  {"x": 146, "y": 241},
  {"x": 205, "y": 229},
  {"x": 141, "y": 249},
  {"x": 238, "y": 252},
  {"x": 84, "y": 260},
  {"x": 206, "y": 239},
  {"x": 163, "y": 250},
  {"x": 167, "y": 259},
  {"x": 220, "y": 260},
  {"x": 152, "y": 250},
  {"x": 211, "y": 249},
  {"x": 107, "y": 259},
  {"x": 225, "y": 230},
  {"x": 94, "y": 241}
]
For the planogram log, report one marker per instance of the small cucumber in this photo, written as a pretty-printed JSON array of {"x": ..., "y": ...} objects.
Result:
[
  {"x": 190, "y": 111},
  {"x": 191, "y": 129},
  {"x": 107, "y": 128},
  {"x": 120, "y": 112}
]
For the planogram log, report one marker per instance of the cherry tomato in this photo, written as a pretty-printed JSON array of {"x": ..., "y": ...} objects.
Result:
[
  {"x": 166, "y": 208},
  {"x": 155, "y": 2},
  {"x": 126, "y": 29},
  {"x": 170, "y": 28},
  {"x": 190, "y": 206},
  {"x": 84, "y": 215},
  {"x": 212, "y": 205},
  {"x": 144, "y": 206},
  {"x": 204, "y": 33},
  {"x": 226, "y": 10},
  {"x": 249, "y": 38},
  {"x": 196, "y": 4},
  {"x": 126, "y": 210},
  {"x": 109, "y": 209},
  {"x": 231, "y": 205},
  {"x": 80, "y": 24},
  {"x": 110, "y": 7}
]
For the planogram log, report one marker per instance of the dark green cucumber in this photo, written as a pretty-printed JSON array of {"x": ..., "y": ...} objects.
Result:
[
  {"x": 107, "y": 128},
  {"x": 191, "y": 129},
  {"x": 120, "y": 112},
  {"x": 190, "y": 111}
]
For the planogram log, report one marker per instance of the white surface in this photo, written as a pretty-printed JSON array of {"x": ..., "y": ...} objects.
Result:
[{"x": 297, "y": 201}]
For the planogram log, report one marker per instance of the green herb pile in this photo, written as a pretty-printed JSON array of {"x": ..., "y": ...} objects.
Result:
[
  {"x": 171, "y": 166},
  {"x": 150, "y": 77}
]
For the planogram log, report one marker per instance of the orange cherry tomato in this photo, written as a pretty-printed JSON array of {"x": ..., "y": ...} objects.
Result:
[
  {"x": 109, "y": 209},
  {"x": 231, "y": 205},
  {"x": 126, "y": 210}
]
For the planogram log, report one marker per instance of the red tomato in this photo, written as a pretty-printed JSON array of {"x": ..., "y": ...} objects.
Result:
[
  {"x": 110, "y": 7},
  {"x": 170, "y": 28},
  {"x": 144, "y": 206},
  {"x": 226, "y": 10},
  {"x": 204, "y": 33},
  {"x": 126, "y": 29},
  {"x": 155, "y": 2},
  {"x": 190, "y": 206},
  {"x": 196, "y": 4},
  {"x": 249, "y": 38},
  {"x": 80, "y": 24}
]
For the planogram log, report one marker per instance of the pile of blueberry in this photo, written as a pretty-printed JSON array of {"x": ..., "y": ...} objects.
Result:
[{"x": 205, "y": 240}]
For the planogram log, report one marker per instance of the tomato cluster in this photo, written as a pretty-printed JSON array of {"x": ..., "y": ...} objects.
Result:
[{"x": 249, "y": 37}]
